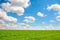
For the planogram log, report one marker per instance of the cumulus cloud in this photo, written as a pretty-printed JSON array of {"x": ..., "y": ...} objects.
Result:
[
  {"x": 29, "y": 19},
  {"x": 58, "y": 18},
  {"x": 16, "y": 6},
  {"x": 5, "y": 17},
  {"x": 2, "y": 21},
  {"x": 55, "y": 7},
  {"x": 22, "y": 3},
  {"x": 41, "y": 14},
  {"x": 13, "y": 26},
  {"x": 16, "y": 9}
]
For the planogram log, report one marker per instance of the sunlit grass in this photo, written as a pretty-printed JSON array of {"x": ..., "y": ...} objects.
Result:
[{"x": 29, "y": 34}]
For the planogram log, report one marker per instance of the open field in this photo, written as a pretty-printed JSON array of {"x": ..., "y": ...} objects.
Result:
[{"x": 29, "y": 34}]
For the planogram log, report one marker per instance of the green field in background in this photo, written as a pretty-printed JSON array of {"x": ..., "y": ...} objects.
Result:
[{"x": 29, "y": 34}]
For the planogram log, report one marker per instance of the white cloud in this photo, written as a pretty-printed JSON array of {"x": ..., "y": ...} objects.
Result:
[
  {"x": 58, "y": 18},
  {"x": 10, "y": 19},
  {"x": 29, "y": 19},
  {"x": 5, "y": 17},
  {"x": 23, "y": 26},
  {"x": 49, "y": 27},
  {"x": 16, "y": 9},
  {"x": 16, "y": 6},
  {"x": 55, "y": 7},
  {"x": 2, "y": 14},
  {"x": 41, "y": 14},
  {"x": 12, "y": 26},
  {"x": 22, "y": 3},
  {"x": 2, "y": 21},
  {"x": 8, "y": 22}
]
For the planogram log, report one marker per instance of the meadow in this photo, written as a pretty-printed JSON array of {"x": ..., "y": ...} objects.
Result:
[{"x": 29, "y": 34}]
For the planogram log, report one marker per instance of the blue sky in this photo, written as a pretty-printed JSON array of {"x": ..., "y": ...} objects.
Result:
[
  {"x": 33, "y": 9},
  {"x": 41, "y": 6}
]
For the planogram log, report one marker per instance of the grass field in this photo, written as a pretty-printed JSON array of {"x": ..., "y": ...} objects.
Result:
[{"x": 29, "y": 35}]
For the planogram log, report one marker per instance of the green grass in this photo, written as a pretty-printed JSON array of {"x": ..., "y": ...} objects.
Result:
[{"x": 29, "y": 34}]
